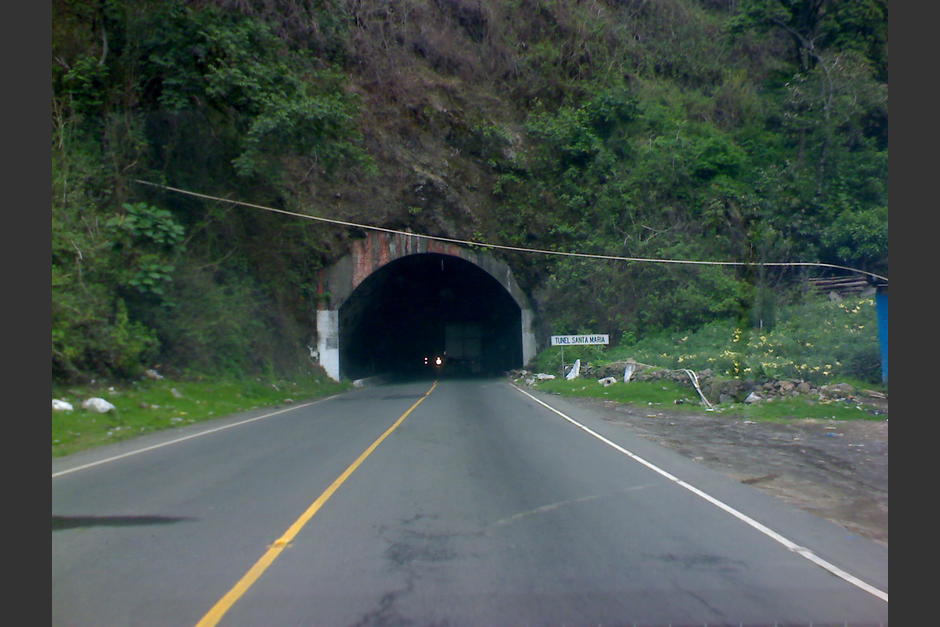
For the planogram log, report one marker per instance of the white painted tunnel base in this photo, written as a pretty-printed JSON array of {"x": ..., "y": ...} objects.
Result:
[{"x": 328, "y": 341}]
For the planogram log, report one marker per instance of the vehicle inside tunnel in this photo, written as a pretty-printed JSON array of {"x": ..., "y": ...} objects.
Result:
[{"x": 421, "y": 307}]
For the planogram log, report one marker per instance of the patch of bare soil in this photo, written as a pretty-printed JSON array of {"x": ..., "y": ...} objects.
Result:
[{"x": 831, "y": 468}]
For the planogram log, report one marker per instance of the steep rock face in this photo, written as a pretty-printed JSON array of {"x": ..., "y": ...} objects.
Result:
[{"x": 424, "y": 181}]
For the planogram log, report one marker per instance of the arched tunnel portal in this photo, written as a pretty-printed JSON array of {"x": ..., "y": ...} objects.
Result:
[
  {"x": 429, "y": 305},
  {"x": 396, "y": 300}
]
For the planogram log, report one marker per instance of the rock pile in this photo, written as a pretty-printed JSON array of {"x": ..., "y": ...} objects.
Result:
[{"x": 719, "y": 389}]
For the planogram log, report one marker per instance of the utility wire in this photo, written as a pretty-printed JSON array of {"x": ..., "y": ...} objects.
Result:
[{"x": 504, "y": 247}]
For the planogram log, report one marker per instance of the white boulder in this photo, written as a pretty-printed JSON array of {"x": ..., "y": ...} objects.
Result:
[
  {"x": 58, "y": 405},
  {"x": 575, "y": 370},
  {"x": 98, "y": 404}
]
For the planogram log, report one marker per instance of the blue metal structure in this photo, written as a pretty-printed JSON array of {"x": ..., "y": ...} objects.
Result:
[{"x": 881, "y": 304}]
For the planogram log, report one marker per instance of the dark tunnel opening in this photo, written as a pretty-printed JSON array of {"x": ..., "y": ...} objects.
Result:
[{"x": 428, "y": 305}]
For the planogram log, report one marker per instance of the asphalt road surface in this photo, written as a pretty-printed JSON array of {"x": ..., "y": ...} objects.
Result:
[{"x": 480, "y": 506}]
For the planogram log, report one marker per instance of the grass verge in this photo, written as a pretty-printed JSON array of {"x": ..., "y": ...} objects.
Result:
[
  {"x": 147, "y": 406},
  {"x": 683, "y": 398},
  {"x": 779, "y": 410},
  {"x": 635, "y": 392}
]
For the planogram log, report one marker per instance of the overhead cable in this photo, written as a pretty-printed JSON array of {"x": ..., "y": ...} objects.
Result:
[{"x": 451, "y": 240}]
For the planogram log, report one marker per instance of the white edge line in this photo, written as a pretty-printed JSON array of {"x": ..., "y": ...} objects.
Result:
[
  {"x": 188, "y": 437},
  {"x": 806, "y": 553}
]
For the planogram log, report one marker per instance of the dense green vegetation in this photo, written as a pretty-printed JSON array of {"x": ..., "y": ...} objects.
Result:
[
  {"x": 817, "y": 341},
  {"x": 751, "y": 130}
]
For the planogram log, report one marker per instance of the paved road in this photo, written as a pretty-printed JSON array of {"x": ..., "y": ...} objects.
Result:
[{"x": 482, "y": 507}]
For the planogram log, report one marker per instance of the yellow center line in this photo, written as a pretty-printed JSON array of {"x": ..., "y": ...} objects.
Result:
[{"x": 224, "y": 604}]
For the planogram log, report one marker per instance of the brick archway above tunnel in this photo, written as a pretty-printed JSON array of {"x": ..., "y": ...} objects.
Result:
[{"x": 375, "y": 256}]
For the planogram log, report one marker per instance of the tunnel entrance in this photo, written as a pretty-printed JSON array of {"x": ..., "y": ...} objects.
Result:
[{"x": 427, "y": 305}]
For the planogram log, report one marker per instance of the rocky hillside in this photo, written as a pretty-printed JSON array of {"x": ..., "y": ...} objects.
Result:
[{"x": 711, "y": 129}]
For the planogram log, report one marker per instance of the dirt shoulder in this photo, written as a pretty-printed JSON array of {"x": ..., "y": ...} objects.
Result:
[{"x": 834, "y": 469}]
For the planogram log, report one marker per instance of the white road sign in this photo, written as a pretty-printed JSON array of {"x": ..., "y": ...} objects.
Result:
[{"x": 579, "y": 340}]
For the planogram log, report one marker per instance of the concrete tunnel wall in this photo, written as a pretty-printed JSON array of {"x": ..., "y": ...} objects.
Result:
[{"x": 378, "y": 249}]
